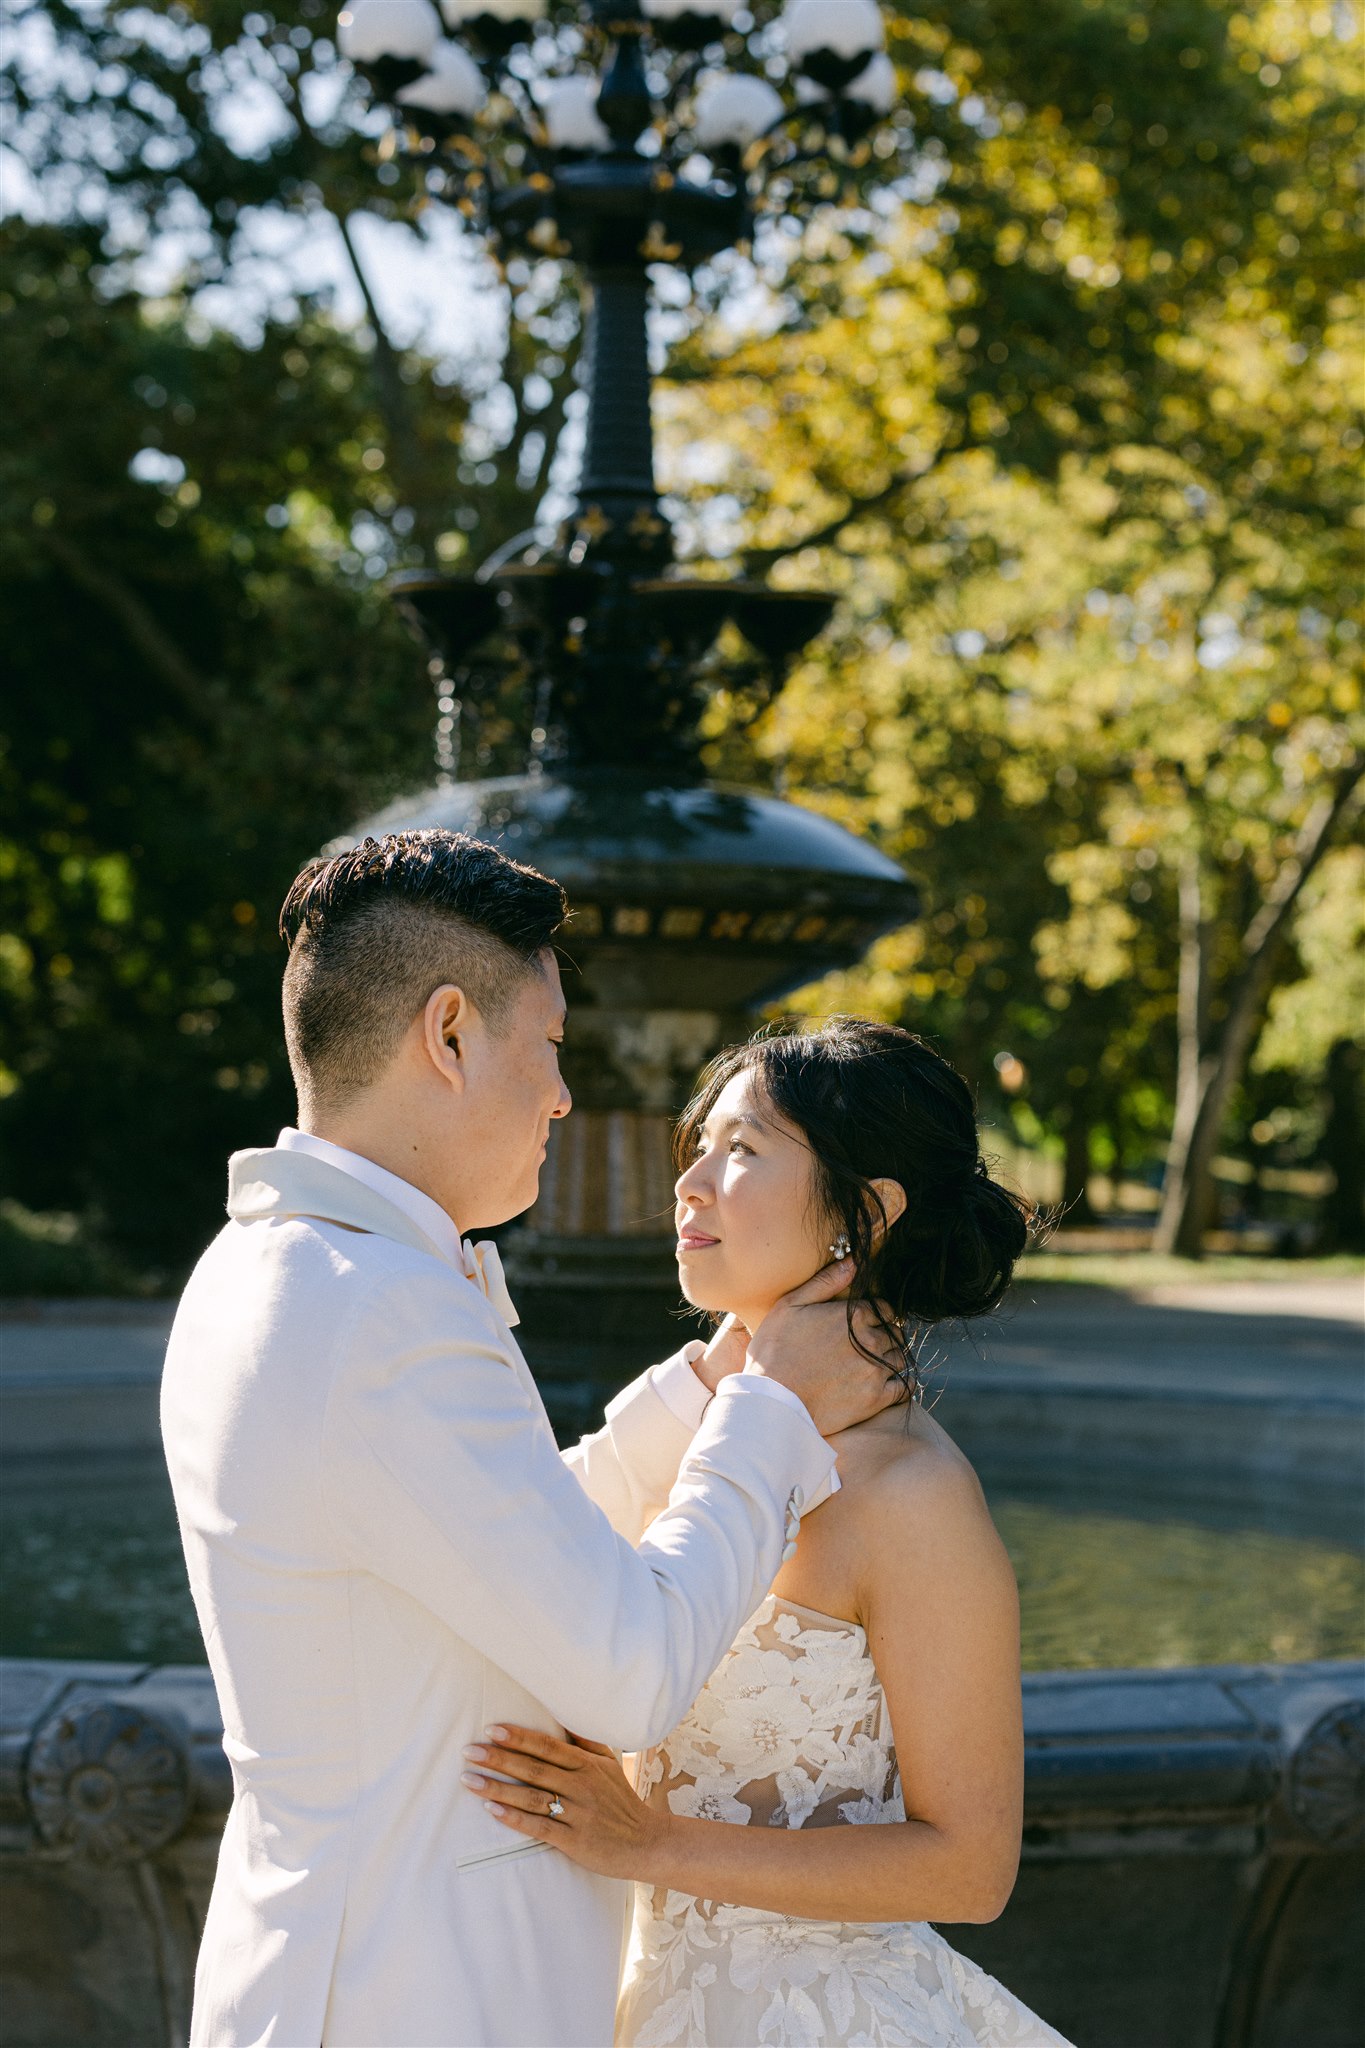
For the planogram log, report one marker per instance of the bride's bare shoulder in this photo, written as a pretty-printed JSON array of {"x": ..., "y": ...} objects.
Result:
[
  {"x": 912, "y": 1479},
  {"x": 908, "y": 1528}
]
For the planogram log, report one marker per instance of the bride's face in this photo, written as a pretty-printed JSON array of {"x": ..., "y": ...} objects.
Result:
[{"x": 748, "y": 1226}]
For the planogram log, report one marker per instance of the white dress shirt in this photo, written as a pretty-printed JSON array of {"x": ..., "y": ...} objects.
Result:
[{"x": 427, "y": 1214}]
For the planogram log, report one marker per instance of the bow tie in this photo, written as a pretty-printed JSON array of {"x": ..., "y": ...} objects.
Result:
[{"x": 483, "y": 1266}]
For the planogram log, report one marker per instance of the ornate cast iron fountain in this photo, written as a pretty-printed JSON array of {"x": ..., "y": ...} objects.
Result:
[{"x": 693, "y": 905}]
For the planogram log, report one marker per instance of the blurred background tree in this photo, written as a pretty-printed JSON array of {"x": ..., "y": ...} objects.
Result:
[
  {"x": 206, "y": 477},
  {"x": 1100, "y": 676},
  {"x": 1066, "y": 415}
]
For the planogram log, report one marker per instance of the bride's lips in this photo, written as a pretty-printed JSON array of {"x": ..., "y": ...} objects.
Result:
[{"x": 690, "y": 1240}]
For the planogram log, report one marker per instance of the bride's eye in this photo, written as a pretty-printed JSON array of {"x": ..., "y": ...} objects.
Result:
[{"x": 738, "y": 1145}]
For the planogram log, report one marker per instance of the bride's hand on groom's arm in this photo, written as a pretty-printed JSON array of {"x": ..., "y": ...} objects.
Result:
[{"x": 603, "y": 1824}]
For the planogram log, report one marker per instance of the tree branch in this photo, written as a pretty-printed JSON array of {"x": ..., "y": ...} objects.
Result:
[
  {"x": 383, "y": 345},
  {"x": 136, "y": 619},
  {"x": 1187, "y": 1199},
  {"x": 757, "y": 561},
  {"x": 394, "y": 400},
  {"x": 393, "y": 395},
  {"x": 1312, "y": 842},
  {"x": 551, "y": 422}
]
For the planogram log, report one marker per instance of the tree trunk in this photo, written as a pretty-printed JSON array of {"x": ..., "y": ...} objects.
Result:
[
  {"x": 1209, "y": 1073},
  {"x": 1188, "y": 1196},
  {"x": 1076, "y": 1207},
  {"x": 1343, "y": 1149},
  {"x": 1178, "y": 1226}
]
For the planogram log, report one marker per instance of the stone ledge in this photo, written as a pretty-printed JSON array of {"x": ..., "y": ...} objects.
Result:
[{"x": 1274, "y": 1749}]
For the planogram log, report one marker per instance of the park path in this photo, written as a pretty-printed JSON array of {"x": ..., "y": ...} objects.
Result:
[{"x": 1268, "y": 1339}]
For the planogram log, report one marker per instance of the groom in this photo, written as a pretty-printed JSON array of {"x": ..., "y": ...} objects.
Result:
[{"x": 386, "y": 1549}]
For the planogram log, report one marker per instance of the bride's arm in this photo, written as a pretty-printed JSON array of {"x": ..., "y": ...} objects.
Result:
[{"x": 942, "y": 1617}]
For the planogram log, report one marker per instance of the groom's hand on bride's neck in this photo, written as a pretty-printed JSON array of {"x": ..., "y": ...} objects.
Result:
[
  {"x": 725, "y": 1354},
  {"x": 804, "y": 1343}
]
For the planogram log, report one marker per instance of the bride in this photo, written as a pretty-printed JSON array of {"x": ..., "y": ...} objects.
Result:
[{"x": 854, "y": 1769}]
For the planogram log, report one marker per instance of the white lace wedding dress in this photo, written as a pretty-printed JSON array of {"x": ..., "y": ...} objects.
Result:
[{"x": 793, "y": 1732}]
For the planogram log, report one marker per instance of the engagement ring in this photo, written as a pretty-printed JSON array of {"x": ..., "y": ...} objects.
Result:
[{"x": 556, "y": 1808}]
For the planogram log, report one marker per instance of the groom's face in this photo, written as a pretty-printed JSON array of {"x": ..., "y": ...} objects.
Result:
[{"x": 516, "y": 1092}]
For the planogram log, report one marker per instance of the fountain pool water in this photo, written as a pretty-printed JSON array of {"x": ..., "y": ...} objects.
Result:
[{"x": 1111, "y": 1575}]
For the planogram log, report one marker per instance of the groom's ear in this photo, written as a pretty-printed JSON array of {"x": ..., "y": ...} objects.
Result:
[{"x": 445, "y": 1027}]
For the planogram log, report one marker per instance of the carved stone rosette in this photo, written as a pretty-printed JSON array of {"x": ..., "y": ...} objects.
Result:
[
  {"x": 1326, "y": 1790},
  {"x": 107, "y": 1781}
]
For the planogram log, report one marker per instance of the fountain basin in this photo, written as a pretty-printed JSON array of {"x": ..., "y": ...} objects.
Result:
[
  {"x": 1191, "y": 1869},
  {"x": 678, "y": 886}
]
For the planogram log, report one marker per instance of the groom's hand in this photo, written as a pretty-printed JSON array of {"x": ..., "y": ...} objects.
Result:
[
  {"x": 804, "y": 1343},
  {"x": 725, "y": 1354}
]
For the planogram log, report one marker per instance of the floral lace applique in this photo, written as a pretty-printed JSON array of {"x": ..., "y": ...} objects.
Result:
[{"x": 792, "y": 1732}]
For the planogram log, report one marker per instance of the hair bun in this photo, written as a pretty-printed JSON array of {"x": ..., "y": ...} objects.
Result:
[
  {"x": 967, "y": 1250},
  {"x": 1003, "y": 1216}
]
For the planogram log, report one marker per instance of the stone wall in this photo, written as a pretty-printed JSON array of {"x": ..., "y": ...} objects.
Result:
[{"x": 1194, "y": 1855}]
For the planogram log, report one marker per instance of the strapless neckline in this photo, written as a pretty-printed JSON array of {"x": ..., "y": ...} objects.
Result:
[
  {"x": 839, "y": 1621},
  {"x": 791, "y": 1731}
]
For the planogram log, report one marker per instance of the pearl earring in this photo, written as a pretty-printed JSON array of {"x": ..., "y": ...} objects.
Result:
[{"x": 840, "y": 1248}]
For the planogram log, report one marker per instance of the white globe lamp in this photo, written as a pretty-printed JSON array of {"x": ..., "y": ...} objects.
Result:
[
  {"x": 451, "y": 92},
  {"x": 832, "y": 41},
  {"x": 391, "y": 41},
  {"x": 494, "y": 27},
  {"x": 689, "y": 24},
  {"x": 733, "y": 109}
]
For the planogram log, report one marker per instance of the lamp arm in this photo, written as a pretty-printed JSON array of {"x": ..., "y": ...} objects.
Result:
[
  {"x": 682, "y": 81},
  {"x": 786, "y": 119},
  {"x": 513, "y": 89},
  {"x": 764, "y": 206}
]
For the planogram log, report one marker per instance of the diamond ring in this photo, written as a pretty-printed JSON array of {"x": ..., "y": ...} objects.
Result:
[{"x": 556, "y": 1808}]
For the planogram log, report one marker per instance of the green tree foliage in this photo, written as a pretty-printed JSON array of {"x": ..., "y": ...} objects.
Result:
[
  {"x": 1326, "y": 1001},
  {"x": 204, "y": 687},
  {"x": 1078, "y": 436},
  {"x": 214, "y": 134},
  {"x": 208, "y": 680}
]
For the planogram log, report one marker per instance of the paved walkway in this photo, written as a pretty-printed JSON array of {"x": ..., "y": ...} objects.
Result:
[
  {"x": 1274, "y": 1339},
  {"x": 92, "y": 1340}
]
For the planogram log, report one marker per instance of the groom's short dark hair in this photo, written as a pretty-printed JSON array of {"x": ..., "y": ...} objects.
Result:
[{"x": 372, "y": 932}]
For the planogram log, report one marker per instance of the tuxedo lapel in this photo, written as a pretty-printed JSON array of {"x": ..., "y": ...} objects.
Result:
[
  {"x": 273, "y": 1183},
  {"x": 277, "y": 1182}
]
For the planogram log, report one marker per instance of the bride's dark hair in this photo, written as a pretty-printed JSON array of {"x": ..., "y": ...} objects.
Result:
[{"x": 875, "y": 1102}]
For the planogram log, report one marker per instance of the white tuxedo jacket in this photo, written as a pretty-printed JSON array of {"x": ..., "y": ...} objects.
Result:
[{"x": 387, "y": 1552}]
